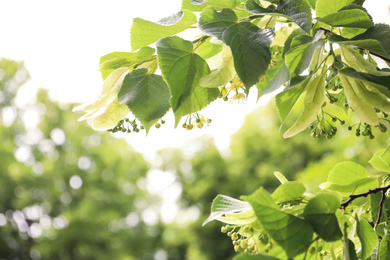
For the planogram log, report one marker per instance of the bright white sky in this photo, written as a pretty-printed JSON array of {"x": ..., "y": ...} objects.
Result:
[{"x": 61, "y": 43}]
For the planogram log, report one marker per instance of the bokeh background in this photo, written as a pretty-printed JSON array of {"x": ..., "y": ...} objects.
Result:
[{"x": 68, "y": 192}]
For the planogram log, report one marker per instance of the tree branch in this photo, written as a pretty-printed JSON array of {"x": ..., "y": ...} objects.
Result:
[{"x": 353, "y": 197}]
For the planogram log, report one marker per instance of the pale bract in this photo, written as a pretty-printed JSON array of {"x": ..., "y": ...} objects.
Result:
[{"x": 106, "y": 111}]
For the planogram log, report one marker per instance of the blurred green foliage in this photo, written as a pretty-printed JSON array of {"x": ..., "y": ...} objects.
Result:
[{"x": 67, "y": 192}]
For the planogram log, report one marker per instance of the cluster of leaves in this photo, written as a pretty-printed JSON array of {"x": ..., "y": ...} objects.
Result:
[
  {"x": 347, "y": 219},
  {"x": 269, "y": 44}
]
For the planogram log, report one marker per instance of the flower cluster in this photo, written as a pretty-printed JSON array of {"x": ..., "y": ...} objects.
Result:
[
  {"x": 126, "y": 126},
  {"x": 234, "y": 91},
  {"x": 196, "y": 120}
]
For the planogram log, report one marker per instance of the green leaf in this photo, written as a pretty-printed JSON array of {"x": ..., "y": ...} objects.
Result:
[
  {"x": 274, "y": 78},
  {"x": 293, "y": 34},
  {"x": 209, "y": 49},
  {"x": 367, "y": 236},
  {"x": 250, "y": 48},
  {"x": 355, "y": 18},
  {"x": 378, "y": 163},
  {"x": 349, "y": 178},
  {"x": 299, "y": 11},
  {"x": 289, "y": 191},
  {"x": 347, "y": 172},
  {"x": 199, "y": 5},
  {"x": 254, "y": 7},
  {"x": 144, "y": 32},
  {"x": 292, "y": 233},
  {"x": 214, "y": 23},
  {"x": 182, "y": 69},
  {"x": 146, "y": 95},
  {"x": 383, "y": 80},
  {"x": 223, "y": 74},
  {"x": 299, "y": 56},
  {"x": 223, "y": 204},
  {"x": 379, "y": 32},
  {"x": 114, "y": 60},
  {"x": 320, "y": 213},
  {"x": 110, "y": 116},
  {"x": 244, "y": 256},
  {"x": 385, "y": 156},
  {"x": 384, "y": 248},
  {"x": 315, "y": 97},
  {"x": 286, "y": 99},
  {"x": 326, "y": 7}
]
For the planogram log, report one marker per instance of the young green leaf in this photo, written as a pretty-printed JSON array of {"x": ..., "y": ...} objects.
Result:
[
  {"x": 223, "y": 204},
  {"x": 383, "y": 80},
  {"x": 280, "y": 177},
  {"x": 378, "y": 163},
  {"x": 144, "y": 32},
  {"x": 223, "y": 74},
  {"x": 214, "y": 23},
  {"x": 244, "y": 256},
  {"x": 315, "y": 97},
  {"x": 199, "y": 5},
  {"x": 286, "y": 99},
  {"x": 146, "y": 95},
  {"x": 182, "y": 69},
  {"x": 375, "y": 200},
  {"x": 254, "y": 7},
  {"x": 114, "y": 60},
  {"x": 292, "y": 233},
  {"x": 355, "y": 18},
  {"x": 250, "y": 48},
  {"x": 320, "y": 213}
]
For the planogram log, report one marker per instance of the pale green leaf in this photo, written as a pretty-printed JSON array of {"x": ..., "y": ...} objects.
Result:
[
  {"x": 378, "y": 163},
  {"x": 223, "y": 204},
  {"x": 355, "y": 18},
  {"x": 326, "y": 7},
  {"x": 383, "y": 80},
  {"x": 292, "y": 233},
  {"x": 223, "y": 74},
  {"x": 385, "y": 156},
  {"x": 375, "y": 201},
  {"x": 146, "y": 95},
  {"x": 359, "y": 105},
  {"x": 109, "y": 117},
  {"x": 199, "y": 5},
  {"x": 288, "y": 191},
  {"x": 367, "y": 236},
  {"x": 250, "y": 48},
  {"x": 244, "y": 256},
  {"x": 214, "y": 23},
  {"x": 111, "y": 86},
  {"x": 315, "y": 97},
  {"x": 286, "y": 99},
  {"x": 182, "y": 69},
  {"x": 281, "y": 36},
  {"x": 144, "y": 32},
  {"x": 358, "y": 186}
]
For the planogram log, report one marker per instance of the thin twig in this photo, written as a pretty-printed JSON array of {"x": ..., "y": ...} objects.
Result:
[
  {"x": 353, "y": 197},
  {"x": 381, "y": 207}
]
